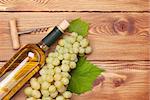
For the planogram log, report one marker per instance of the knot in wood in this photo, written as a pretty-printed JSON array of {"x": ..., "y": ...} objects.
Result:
[
  {"x": 98, "y": 81},
  {"x": 123, "y": 26}
]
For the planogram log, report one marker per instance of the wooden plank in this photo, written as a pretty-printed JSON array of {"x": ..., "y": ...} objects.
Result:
[
  {"x": 74, "y": 5},
  {"x": 134, "y": 87},
  {"x": 117, "y": 36}
]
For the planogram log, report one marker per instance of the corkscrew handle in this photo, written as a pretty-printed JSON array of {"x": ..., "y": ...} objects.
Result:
[{"x": 14, "y": 35}]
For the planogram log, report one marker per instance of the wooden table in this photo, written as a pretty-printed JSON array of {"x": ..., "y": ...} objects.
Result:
[{"x": 119, "y": 34}]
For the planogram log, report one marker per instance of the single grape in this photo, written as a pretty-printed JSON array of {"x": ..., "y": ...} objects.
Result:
[
  {"x": 66, "y": 39},
  {"x": 67, "y": 56},
  {"x": 79, "y": 38},
  {"x": 76, "y": 45},
  {"x": 61, "y": 42},
  {"x": 81, "y": 50},
  {"x": 65, "y": 50},
  {"x": 65, "y": 74},
  {"x": 54, "y": 94},
  {"x": 57, "y": 77},
  {"x": 57, "y": 69},
  {"x": 57, "y": 47},
  {"x": 88, "y": 50},
  {"x": 45, "y": 85},
  {"x": 49, "y": 60},
  {"x": 50, "y": 66},
  {"x": 45, "y": 93},
  {"x": 44, "y": 77},
  {"x": 84, "y": 43},
  {"x": 72, "y": 39},
  {"x": 35, "y": 84},
  {"x": 60, "y": 98},
  {"x": 36, "y": 94},
  {"x": 61, "y": 50},
  {"x": 52, "y": 88},
  {"x": 61, "y": 89},
  {"x": 60, "y": 57},
  {"x": 65, "y": 81},
  {"x": 58, "y": 84},
  {"x": 49, "y": 78},
  {"x": 68, "y": 45},
  {"x": 28, "y": 91},
  {"x": 74, "y": 34},
  {"x": 67, "y": 94},
  {"x": 65, "y": 68},
  {"x": 33, "y": 79},
  {"x": 72, "y": 65},
  {"x": 73, "y": 57},
  {"x": 76, "y": 50},
  {"x": 51, "y": 71},
  {"x": 65, "y": 62},
  {"x": 42, "y": 71},
  {"x": 40, "y": 80},
  {"x": 56, "y": 62}
]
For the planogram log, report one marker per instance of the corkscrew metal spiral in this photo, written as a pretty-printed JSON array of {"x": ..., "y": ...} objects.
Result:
[{"x": 37, "y": 30}]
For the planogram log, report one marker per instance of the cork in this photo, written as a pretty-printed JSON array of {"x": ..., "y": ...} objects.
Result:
[
  {"x": 64, "y": 25},
  {"x": 14, "y": 34}
]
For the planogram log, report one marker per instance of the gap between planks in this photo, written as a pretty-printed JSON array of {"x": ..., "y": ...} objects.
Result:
[{"x": 76, "y": 11}]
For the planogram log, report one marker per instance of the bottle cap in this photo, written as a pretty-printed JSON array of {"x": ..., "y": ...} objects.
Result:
[{"x": 64, "y": 25}]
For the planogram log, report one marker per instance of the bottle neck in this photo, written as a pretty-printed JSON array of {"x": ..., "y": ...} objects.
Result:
[
  {"x": 50, "y": 39},
  {"x": 43, "y": 46}
]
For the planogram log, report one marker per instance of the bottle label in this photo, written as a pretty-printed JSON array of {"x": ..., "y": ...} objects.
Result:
[{"x": 52, "y": 36}]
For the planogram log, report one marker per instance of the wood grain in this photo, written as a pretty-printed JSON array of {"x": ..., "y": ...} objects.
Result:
[
  {"x": 135, "y": 86},
  {"x": 116, "y": 36},
  {"x": 74, "y": 5},
  {"x": 119, "y": 34}
]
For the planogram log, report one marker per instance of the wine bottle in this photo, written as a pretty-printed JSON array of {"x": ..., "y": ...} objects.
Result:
[{"x": 26, "y": 62}]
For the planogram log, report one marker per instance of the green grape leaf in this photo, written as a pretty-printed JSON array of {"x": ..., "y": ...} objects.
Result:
[
  {"x": 83, "y": 76},
  {"x": 79, "y": 26}
]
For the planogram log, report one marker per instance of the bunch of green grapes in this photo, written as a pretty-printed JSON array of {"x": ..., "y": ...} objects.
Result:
[{"x": 54, "y": 76}]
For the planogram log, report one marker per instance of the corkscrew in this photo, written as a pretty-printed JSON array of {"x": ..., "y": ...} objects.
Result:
[{"x": 15, "y": 34}]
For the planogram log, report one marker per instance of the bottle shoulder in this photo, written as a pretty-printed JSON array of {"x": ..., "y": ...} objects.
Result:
[
  {"x": 35, "y": 49},
  {"x": 33, "y": 46}
]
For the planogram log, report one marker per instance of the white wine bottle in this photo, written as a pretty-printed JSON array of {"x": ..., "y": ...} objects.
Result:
[{"x": 26, "y": 62}]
